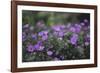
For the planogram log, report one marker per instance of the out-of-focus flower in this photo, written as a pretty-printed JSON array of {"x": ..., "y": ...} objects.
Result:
[
  {"x": 26, "y": 26},
  {"x": 45, "y": 37},
  {"x": 30, "y": 48},
  {"x": 85, "y": 20},
  {"x": 58, "y": 27},
  {"x": 56, "y": 58},
  {"x": 62, "y": 26},
  {"x": 23, "y": 36},
  {"x": 55, "y": 33},
  {"x": 72, "y": 29},
  {"x": 39, "y": 42},
  {"x": 59, "y": 30},
  {"x": 40, "y": 24},
  {"x": 60, "y": 38},
  {"x": 68, "y": 25},
  {"x": 87, "y": 38},
  {"x": 49, "y": 53},
  {"x": 60, "y": 34},
  {"x": 31, "y": 28},
  {"x": 78, "y": 28},
  {"x": 87, "y": 43},
  {"x": 74, "y": 39},
  {"x": 34, "y": 36},
  {"x": 62, "y": 57},
  {"x": 43, "y": 34},
  {"x": 39, "y": 46},
  {"x": 82, "y": 24}
]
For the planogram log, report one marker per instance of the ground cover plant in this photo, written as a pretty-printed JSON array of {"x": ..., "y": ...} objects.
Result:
[{"x": 54, "y": 36}]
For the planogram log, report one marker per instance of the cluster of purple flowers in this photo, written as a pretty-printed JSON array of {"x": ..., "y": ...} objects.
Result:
[
  {"x": 37, "y": 47},
  {"x": 56, "y": 42}
]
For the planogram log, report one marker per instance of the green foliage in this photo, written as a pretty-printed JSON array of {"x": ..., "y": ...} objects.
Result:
[{"x": 60, "y": 45}]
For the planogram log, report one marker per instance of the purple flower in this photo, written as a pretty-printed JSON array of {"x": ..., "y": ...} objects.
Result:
[
  {"x": 82, "y": 24},
  {"x": 39, "y": 46},
  {"x": 60, "y": 34},
  {"x": 39, "y": 42},
  {"x": 40, "y": 23},
  {"x": 44, "y": 35},
  {"x": 78, "y": 28},
  {"x": 41, "y": 33},
  {"x": 74, "y": 39},
  {"x": 87, "y": 38},
  {"x": 36, "y": 46},
  {"x": 85, "y": 20},
  {"x": 30, "y": 48},
  {"x": 58, "y": 30},
  {"x": 23, "y": 36},
  {"x": 87, "y": 43},
  {"x": 62, "y": 57},
  {"x": 62, "y": 27},
  {"x": 72, "y": 29},
  {"x": 58, "y": 27},
  {"x": 49, "y": 53},
  {"x": 34, "y": 36}
]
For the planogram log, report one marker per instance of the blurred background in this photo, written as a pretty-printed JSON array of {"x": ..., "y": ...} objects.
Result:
[{"x": 52, "y": 18}]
